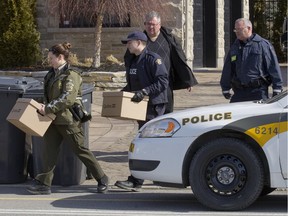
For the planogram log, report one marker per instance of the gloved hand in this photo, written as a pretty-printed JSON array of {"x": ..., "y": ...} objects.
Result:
[
  {"x": 138, "y": 96},
  {"x": 275, "y": 93},
  {"x": 226, "y": 94}
]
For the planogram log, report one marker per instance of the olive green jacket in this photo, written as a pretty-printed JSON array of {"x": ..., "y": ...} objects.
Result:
[{"x": 61, "y": 90}]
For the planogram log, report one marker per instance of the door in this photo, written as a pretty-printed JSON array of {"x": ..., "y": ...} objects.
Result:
[
  {"x": 236, "y": 11},
  {"x": 209, "y": 33},
  {"x": 283, "y": 143}
]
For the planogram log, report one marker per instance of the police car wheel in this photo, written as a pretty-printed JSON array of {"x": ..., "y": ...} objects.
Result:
[
  {"x": 226, "y": 174},
  {"x": 267, "y": 190}
]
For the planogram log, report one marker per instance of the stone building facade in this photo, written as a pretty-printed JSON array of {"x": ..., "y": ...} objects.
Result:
[{"x": 204, "y": 27}]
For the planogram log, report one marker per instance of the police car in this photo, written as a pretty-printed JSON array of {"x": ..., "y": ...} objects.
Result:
[{"x": 229, "y": 154}]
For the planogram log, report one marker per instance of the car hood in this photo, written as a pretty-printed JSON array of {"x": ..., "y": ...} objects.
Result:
[
  {"x": 249, "y": 107},
  {"x": 238, "y": 116}
]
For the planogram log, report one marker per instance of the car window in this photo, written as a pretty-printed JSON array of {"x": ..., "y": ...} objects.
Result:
[{"x": 277, "y": 97}]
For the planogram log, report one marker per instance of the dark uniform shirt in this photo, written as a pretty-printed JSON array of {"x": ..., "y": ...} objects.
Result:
[
  {"x": 147, "y": 71},
  {"x": 133, "y": 76},
  {"x": 249, "y": 62}
]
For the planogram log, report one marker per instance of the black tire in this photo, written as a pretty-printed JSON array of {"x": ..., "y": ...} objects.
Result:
[
  {"x": 226, "y": 174},
  {"x": 267, "y": 190}
]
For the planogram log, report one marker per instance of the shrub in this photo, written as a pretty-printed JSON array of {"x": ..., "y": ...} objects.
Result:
[{"x": 19, "y": 39}]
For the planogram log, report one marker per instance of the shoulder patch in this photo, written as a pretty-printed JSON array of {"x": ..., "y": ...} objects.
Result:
[
  {"x": 158, "y": 61},
  {"x": 69, "y": 86},
  {"x": 233, "y": 58}
]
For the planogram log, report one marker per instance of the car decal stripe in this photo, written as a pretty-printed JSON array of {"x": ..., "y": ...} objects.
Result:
[
  {"x": 263, "y": 133},
  {"x": 261, "y": 128},
  {"x": 251, "y": 122}
]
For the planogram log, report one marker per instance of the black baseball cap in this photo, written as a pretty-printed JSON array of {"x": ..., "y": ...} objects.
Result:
[{"x": 136, "y": 35}]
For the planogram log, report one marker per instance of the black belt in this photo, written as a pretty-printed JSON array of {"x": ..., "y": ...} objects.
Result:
[{"x": 252, "y": 84}]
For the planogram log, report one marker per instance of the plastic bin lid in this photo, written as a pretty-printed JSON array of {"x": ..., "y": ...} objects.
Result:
[
  {"x": 39, "y": 89},
  {"x": 87, "y": 88},
  {"x": 36, "y": 89},
  {"x": 19, "y": 84},
  {"x": 29, "y": 85}
]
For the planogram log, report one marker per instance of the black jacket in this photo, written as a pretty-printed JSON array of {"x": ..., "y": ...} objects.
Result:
[
  {"x": 152, "y": 75},
  {"x": 181, "y": 73}
]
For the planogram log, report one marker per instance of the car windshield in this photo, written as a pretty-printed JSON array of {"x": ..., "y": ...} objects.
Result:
[{"x": 276, "y": 98}]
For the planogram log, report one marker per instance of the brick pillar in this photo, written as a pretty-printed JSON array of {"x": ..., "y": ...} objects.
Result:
[
  {"x": 245, "y": 9},
  {"x": 220, "y": 33},
  {"x": 188, "y": 31}
]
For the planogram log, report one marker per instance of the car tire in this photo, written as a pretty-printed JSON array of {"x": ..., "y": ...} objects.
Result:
[
  {"x": 267, "y": 190},
  {"x": 226, "y": 174}
]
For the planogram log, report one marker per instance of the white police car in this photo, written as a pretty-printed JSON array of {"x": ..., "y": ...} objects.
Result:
[{"x": 229, "y": 154}]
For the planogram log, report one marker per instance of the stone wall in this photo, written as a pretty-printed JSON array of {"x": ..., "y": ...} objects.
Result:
[
  {"x": 104, "y": 81},
  {"x": 185, "y": 18},
  {"x": 114, "y": 81},
  {"x": 82, "y": 39}
]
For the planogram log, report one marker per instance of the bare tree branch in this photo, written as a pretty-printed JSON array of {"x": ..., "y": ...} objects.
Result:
[{"x": 96, "y": 11}]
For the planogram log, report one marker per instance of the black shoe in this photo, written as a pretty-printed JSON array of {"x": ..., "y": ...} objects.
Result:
[
  {"x": 129, "y": 186},
  {"x": 103, "y": 184},
  {"x": 38, "y": 188}
]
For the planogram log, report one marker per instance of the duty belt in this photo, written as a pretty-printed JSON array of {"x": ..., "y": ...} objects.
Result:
[{"x": 252, "y": 84}]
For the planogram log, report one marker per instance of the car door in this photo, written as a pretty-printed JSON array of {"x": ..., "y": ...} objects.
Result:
[{"x": 283, "y": 142}]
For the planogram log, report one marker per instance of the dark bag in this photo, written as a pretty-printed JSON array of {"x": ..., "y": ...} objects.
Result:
[{"x": 79, "y": 113}]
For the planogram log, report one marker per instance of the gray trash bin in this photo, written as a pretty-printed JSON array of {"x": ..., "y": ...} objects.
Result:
[
  {"x": 69, "y": 169},
  {"x": 14, "y": 152}
]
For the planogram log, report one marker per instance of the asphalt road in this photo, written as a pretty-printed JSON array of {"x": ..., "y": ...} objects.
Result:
[{"x": 82, "y": 200}]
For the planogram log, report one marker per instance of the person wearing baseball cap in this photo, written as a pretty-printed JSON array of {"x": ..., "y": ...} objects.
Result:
[
  {"x": 136, "y": 35},
  {"x": 146, "y": 75}
]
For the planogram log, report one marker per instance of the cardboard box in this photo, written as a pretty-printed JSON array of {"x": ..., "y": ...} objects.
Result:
[
  {"x": 119, "y": 105},
  {"x": 24, "y": 115}
]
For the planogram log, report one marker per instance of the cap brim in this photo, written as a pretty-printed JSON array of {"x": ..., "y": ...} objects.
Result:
[{"x": 124, "y": 41}]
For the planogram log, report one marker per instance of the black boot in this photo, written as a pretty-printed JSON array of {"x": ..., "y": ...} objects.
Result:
[
  {"x": 103, "y": 184},
  {"x": 128, "y": 185},
  {"x": 38, "y": 188}
]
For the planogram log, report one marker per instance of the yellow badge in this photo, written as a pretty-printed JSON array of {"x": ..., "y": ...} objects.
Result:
[
  {"x": 158, "y": 61},
  {"x": 69, "y": 86},
  {"x": 233, "y": 58}
]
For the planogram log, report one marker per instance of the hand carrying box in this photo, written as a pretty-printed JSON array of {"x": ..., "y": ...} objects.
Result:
[
  {"x": 24, "y": 115},
  {"x": 119, "y": 105}
]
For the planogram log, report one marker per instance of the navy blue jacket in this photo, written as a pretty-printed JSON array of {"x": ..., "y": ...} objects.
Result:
[
  {"x": 253, "y": 61},
  {"x": 152, "y": 75}
]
